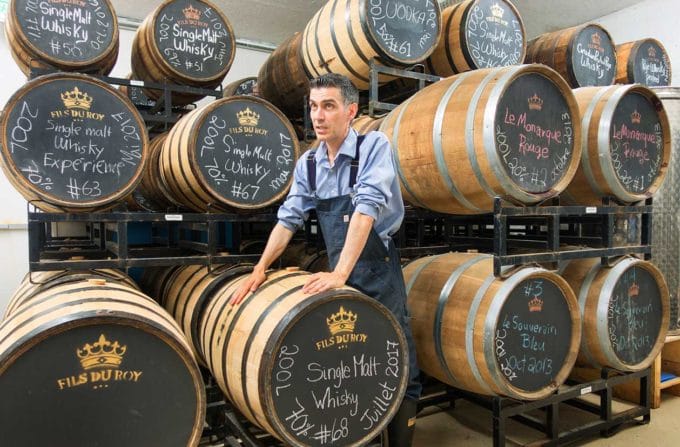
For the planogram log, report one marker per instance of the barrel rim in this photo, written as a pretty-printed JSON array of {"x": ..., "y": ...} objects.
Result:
[
  {"x": 115, "y": 42},
  {"x": 205, "y": 182},
  {"x": 273, "y": 346},
  {"x": 571, "y": 51},
  {"x": 603, "y": 142},
  {"x": 151, "y": 30},
  {"x": 27, "y": 188}
]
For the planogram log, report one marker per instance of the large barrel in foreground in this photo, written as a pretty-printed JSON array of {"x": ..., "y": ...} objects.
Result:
[
  {"x": 643, "y": 62},
  {"x": 71, "y": 142},
  {"x": 516, "y": 337},
  {"x": 624, "y": 310},
  {"x": 511, "y": 132},
  {"x": 344, "y": 35},
  {"x": 626, "y": 145},
  {"x": 236, "y": 152},
  {"x": 77, "y": 36},
  {"x": 186, "y": 42},
  {"x": 478, "y": 34},
  {"x": 585, "y": 55},
  {"x": 101, "y": 353}
]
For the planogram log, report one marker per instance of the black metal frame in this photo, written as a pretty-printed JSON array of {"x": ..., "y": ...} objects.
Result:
[{"x": 376, "y": 69}]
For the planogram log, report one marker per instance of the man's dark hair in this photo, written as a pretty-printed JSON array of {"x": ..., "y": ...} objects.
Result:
[{"x": 348, "y": 91}]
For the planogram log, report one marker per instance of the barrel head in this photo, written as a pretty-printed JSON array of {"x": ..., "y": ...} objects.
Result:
[
  {"x": 533, "y": 335},
  {"x": 241, "y": 87},
  {"x": 593, "y": 57},
  {"x": 650, "y": 65},
  {"x": 98, "y": 383},
  {"x": 72, "y": 141},
  {"x": 338, "y": 373},
  {"x": 534, "y": 133}
]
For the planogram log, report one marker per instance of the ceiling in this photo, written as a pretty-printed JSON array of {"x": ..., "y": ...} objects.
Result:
[{"x": 271, "y": 21}]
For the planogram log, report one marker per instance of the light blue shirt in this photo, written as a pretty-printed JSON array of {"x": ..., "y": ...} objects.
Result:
[{"x": 376, "y": 192}]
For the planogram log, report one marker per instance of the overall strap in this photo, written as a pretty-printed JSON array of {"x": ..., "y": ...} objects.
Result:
[
  {"x": 354, "y": 166},
  {"x": 311, "y": 170}
]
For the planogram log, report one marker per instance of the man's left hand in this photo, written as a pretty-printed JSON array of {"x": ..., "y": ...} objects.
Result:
[{"x": 322, "y": 281}]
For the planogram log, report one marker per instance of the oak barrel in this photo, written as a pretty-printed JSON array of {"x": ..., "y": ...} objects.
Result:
[
  {"x": 478, "y": 34},
  {"x": 101, "y": 353},
  {"x": 511, "y": 132},
  {"x": 645, "y": 62},
  {"x": 344, "y": 35},
  {"x": 515, "y": 337},
  {"x": 77, "y": 36},
  {"x": 185, "y": 42},
  {"x": 240, "y": 87},
  {"x": 624, "y": 311},
  {"x": 283, "y": 80},
  {"x": 71, "y": 142},
  {"x": 364, "y": 124},
  {"x": 236, "y": 152},
  {"x": 294, "y": 363},
  {"x": 154, "y": 280},
  {"x": 585, "y": 55},
  {"x": 626, "y": 145}
]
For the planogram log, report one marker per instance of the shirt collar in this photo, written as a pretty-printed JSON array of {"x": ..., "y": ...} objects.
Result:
[{"x": 347, "y": 148}]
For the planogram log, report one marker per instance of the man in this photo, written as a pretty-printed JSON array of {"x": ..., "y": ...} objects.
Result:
[{"x": 351, "y": 182}]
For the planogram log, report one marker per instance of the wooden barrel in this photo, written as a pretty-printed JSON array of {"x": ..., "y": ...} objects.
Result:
[
  {"x": 77, "y": 36},
  {"x": 478, "y": 34},
  {"x": 344, "y": 35},
  {"x": 624, "y": 311},
  {"x": 585, "y": 55},
  {"x": 295, "y": 363},
  {"x": 307, "y": 258},
  {"x": 511, "y": 132},
  {"x": 236, "y": 152},
  {"x": 283, "y": 80},
  {"x": 516, "y": 337},
  {"x": 37, "y": 282},
  {"x": 152, "y": 194},
  {"x": 188, "y": 291},
  {"x": 241, "y": 87},
  {"x": 71, "y": 142},
  {"x": 364, "y": 124},
  {"x": 626, "y": 145},
  {"x": 136, "y": 94},
  {"x": 154, "y": 281},
  {"x": 643, "y": 62},
  {"x": 186, "y": 42},
  {"x": 105, "y": 355}
]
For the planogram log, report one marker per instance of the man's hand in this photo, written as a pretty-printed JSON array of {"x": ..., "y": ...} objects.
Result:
[
  {"x": 257, "y": 277},
  {"x": 322, "y": 281}
]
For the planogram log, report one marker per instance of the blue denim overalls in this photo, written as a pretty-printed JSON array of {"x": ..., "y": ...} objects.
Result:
[{"x": 377, "y": 272}]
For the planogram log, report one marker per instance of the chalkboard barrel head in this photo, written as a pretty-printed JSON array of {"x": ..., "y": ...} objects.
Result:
[
  {"x": 515, "y": 337},
  {"x": 104, "y": 355},
  {"x": 245, "y": 86},
  {"x": 511, "y": 132},
  {"x": 627, "y": 147},
  {"x": 626, "y": 310},
  {"x": 478, "y": 34},
  {"x": 71, "y": 142},
  {"x": 70, "y": 36},
  {"x": 235, "y": 153},
  {"x": 294, "y": 362},
  {"x": 645, "y": 62}
]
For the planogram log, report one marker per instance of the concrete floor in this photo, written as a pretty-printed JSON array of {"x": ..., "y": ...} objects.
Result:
[{"x": 468, "y": 425}]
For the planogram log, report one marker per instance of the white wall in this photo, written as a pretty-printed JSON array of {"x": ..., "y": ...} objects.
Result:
[
  {"x": 650, "y": 18},
  {"x": 13, "y": 235}
]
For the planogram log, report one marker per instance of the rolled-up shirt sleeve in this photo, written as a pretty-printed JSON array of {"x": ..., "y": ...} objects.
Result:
[
  {"x": 295, "y": 209},
  {"x": 372, "y": 190}
]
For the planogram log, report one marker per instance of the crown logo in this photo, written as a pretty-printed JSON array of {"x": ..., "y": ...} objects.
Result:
[
  {"x": 535, "y": 102},
  {"x": 192, "y": 13},
  {"x": 342, "y": 321},
  {"x": 596, "y": 39},
  {"x": 101, "y": 354},
  {"x": 635, "y": 117},
  {"x": 633, "y": 290},
  {"x": 247, "y": 117},
  {"x": 651, "y": 52},
  {"x": 497, "y": 11},
  {"x": 535, "y": 304},
  {"x": 75, "y": 99}
]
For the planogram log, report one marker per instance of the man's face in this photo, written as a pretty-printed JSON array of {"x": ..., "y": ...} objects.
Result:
[{"x": 330, "y": 116}]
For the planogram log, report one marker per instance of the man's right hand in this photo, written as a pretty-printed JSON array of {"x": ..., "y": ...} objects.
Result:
[{"x": 257, "y": 277}]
